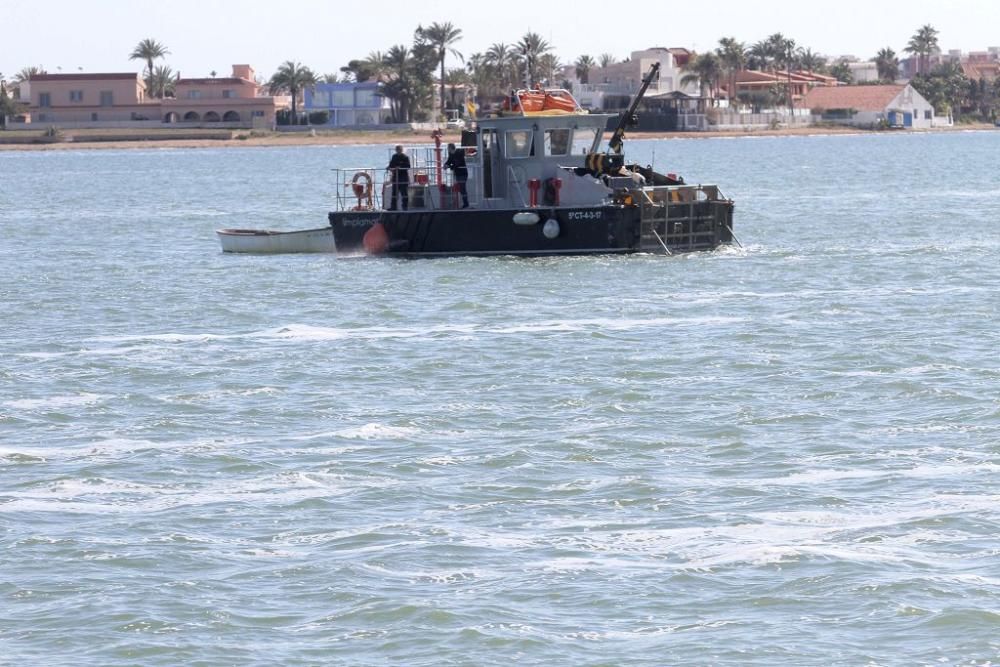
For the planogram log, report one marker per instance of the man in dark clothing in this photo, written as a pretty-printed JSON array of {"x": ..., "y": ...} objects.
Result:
[
  {"x": 399, "y": 172},
  {"x": 456, "y": 162}
]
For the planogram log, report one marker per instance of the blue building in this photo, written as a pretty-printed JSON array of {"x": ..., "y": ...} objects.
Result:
[{"x": 349, "y": 104}]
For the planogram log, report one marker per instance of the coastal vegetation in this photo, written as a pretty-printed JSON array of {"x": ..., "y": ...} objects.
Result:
[
  {"x": 149, "y": 50},
  {"x": 412, "y": 76}
]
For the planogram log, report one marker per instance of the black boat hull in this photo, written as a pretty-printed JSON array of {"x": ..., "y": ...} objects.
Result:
[{"x": 576, "y": 231}]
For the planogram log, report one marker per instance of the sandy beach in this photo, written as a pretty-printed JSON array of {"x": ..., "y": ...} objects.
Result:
[{"x": 98, "y": 139}]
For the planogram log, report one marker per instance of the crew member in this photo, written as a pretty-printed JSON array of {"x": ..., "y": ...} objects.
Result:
[
  {"x": 456, "y": 162},
  {"x": 399, "y": 171}
]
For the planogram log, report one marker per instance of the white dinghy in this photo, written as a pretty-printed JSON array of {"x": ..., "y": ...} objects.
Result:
[{"x": 263, "y": 241}]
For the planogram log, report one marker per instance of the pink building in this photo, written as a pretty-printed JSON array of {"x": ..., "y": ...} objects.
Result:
[
  {"x": 234, "y": 99},
  {"x": 121, "y": 98},
  {"x": 82, "y": 98}
]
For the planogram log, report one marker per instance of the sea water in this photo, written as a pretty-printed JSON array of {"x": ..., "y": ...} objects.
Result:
[{"x": 782, "y": 453}]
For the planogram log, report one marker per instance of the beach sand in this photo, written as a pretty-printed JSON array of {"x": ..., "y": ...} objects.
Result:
[{"x": 90, "y": 140}]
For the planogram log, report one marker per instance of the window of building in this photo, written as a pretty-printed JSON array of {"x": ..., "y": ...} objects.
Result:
[
  {"x": 227, "y": 94},
  {"x": 44, "y": 100},
  {"x": 365, "y": 97},
  {"x": 194, "y": 95},
  {"x": 557, "y": 142},
  {"x": 107, "y": 98},
  {"x": 928, "y": 115},
  {"x": 343, "y": 98},
  {"x": 93, "y": 116},
  {"x": 519, "y": 143},
  {"x": 321, "y": 99},
  {"x": 76, "y": 96}
]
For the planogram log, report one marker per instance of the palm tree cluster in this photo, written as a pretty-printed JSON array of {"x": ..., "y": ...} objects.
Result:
[{"x": 159, "y": 80}]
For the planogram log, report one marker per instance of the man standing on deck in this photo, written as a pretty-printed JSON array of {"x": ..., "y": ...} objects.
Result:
[
  {"x": 456, "y": 162},
  {"x": 399, "y": 171}
]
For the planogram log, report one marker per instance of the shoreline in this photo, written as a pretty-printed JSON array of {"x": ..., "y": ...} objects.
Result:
[{"x": 78, "y": 140}]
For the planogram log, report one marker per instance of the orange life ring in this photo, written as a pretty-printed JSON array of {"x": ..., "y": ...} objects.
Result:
[{"x": 361, "y": 184}]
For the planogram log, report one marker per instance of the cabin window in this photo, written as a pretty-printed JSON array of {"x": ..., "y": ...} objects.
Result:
[
  {"x": 519, "y": 143},
  {"x": 583, "y": 140},
  {"x": 557, "y": 142}
]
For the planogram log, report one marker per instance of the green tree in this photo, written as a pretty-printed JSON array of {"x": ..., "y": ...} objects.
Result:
[
  {"x": 8, "y": 105},
  {"x": 163, "y": 82},
  {"x": 583, "y": 66},
  {"x": 842, "y": 72},
  {"x": 330, "y": 77},
  {"x": 811, "y": 61},
  {"x": 887, "y": 65},
  {"x": 606, "y": 59},
  {"x": 532, "y": 47},
  {"x": 704, "y": 70},
  {"x": 291, "y": 78},
  {"x": 732, "y": 55},
  {"x": 442, "y": 37},
  {"x": 782, "y": 52},
  {"x": 502, "y": 61},
  {"x": 149, "y": 50},
  {"x": 922, "y": 45},
  {"x": 945, "y": 87}
]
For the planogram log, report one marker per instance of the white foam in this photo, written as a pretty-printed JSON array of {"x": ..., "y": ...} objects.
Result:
[{"x": 57, "y": 402}]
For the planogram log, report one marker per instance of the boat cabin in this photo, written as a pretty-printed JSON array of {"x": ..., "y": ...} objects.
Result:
[{"x": 514, "y": 160}]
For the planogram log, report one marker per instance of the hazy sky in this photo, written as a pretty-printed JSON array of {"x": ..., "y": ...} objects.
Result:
[{"x": 206, "y": 35}]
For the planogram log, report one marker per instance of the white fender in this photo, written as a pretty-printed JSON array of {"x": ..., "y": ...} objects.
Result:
[
  {"x": 551, "y": 228},
  {"x": 525, "y": 218}
]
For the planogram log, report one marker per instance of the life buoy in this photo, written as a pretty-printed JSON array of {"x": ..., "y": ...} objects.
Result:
[{"x": 361, "y": 184}]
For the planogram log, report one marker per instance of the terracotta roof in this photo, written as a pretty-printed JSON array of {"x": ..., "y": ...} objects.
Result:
[
  {"x": 861, "y": 98},
  {"x": 976, "y": 71},
  {"x": 85, "y": 77}
]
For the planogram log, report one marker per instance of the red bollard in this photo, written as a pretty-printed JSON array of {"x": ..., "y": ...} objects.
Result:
[
  {"x": 533, "y": 185},
  {"x": 556, "y": 187}
]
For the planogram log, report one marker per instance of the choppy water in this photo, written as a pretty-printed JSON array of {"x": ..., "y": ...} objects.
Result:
[{"x": 786, "y": 454}]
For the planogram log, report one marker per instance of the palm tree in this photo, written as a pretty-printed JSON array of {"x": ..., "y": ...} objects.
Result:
[
  {"x": 500, "y": 57},
  {"x": 704, "y": 70},
  {"x": 149, "y": 50},
  {"x": 291, "y": 78},
  {"x": 548, "y": 65},
  {"x": 162, "y": 82},
  {"x": 442, "y": 36},
  {"x": 783, "y": 52},
  {"x": 923, "y": 43},
  {"x": 26, "y": 73},
  {"x": 760, "y": 56},
  {"x": 887, "y": 64},
  {"x": 532, "y": 48},
  {"x": 606, "y": 59},
  {"x": 811, "y": 61},
  {"x": 583, "y": 65},
  {"x": 733, "y": 58}
]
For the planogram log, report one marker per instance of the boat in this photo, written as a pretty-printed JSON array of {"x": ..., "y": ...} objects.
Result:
[
  {"x": 538, "y": 184},
  {"x": 264, "y": 241}
]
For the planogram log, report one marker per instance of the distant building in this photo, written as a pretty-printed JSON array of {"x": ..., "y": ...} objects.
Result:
[
  {"x": 898, "y": 105},
  {"x": 753, "y": 83},
  {"x": 612, "y": 87},
  {"x": 349, "y": 104},
  {"x": 234, "y": 99},
  {"x": 121, "y": 98},
  {"x": 83, "y": 98}
]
